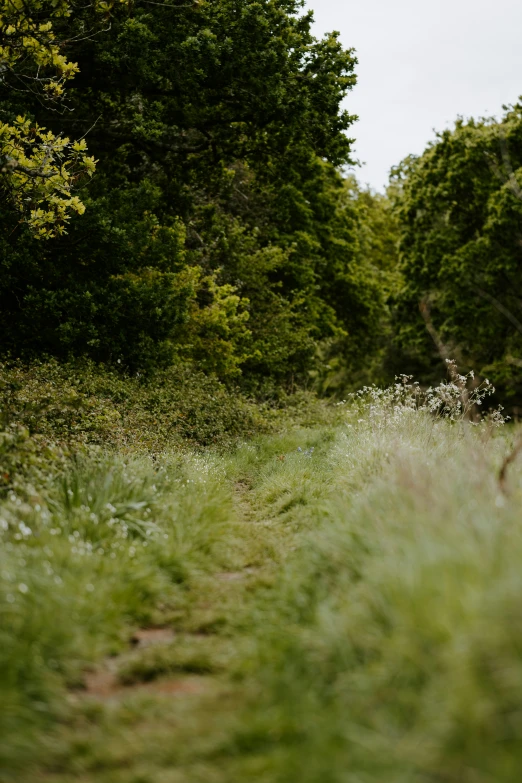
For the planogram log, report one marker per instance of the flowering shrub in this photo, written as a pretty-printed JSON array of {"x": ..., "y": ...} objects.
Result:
[{"x": 458, "y": 399}]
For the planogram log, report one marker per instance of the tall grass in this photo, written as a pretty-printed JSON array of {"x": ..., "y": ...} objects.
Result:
[
  {"x": 116, "y": 541},
  {"x": 392, "y": 648},
  {"x": 349, "y": 594}
]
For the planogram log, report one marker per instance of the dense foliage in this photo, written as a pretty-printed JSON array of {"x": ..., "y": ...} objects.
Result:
[
  {"x": 218, "y": 229},
  {"x": 50, "y": 412},
  {"x": 345, "y": 366},
  {"x": 39, "y": 169},
  {"x": 460, "y": 213}
]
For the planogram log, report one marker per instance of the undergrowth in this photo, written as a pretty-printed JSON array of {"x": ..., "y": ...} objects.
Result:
[{"x": 335, "y": 604}]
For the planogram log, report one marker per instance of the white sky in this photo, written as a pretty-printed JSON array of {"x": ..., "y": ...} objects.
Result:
[{"x": 421, "y": 64}]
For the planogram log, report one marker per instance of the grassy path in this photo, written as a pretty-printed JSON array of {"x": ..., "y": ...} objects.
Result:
[
  {"x": 171, "y": 707},
  {"x": 330, "y": 606}
]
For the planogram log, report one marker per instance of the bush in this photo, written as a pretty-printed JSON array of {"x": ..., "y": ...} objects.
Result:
[{"x": 85, "y": 404}]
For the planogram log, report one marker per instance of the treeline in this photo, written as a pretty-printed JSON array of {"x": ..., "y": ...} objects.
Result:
[{"x": 218, "y": 227}]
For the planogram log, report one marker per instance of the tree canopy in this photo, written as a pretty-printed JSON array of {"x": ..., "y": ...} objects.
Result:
[
  {"x": 39, "y": 169},
  {"x": 218, "y": 228},
  {"x": 460, "y": 212}
]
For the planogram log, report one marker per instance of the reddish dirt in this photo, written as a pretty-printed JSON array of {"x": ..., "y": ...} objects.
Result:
[
  {"x": 104, "y": 684},
  {"x": 176, "y": 687},
  {"x": 101, "y": 683},
  {"x": 147, "y": 637}
]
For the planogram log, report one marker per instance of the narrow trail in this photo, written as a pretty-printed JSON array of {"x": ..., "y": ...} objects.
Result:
[{"x": 174, "y": 697}]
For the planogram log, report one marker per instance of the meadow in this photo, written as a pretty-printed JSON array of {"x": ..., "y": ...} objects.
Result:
[{"x": 335, "y": 603}]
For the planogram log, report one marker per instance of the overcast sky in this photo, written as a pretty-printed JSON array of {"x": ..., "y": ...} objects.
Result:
[{"x": 421, "y": 64}]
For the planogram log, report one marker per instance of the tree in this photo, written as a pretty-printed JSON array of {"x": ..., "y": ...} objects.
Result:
[
  {"x": 38, "y": 168},
  {"x": 350, "y": 363},
  {"x": 460, "y": 212},
  {"x": 219, "y": 130}
]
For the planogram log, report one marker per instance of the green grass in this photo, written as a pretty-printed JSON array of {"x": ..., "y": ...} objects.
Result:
[{"x": 341, "y": 604}]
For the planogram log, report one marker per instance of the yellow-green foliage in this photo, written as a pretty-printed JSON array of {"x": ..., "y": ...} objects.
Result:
[{"x": 39, "y": 168}]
